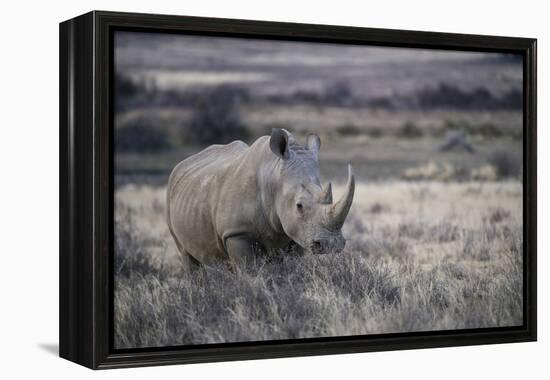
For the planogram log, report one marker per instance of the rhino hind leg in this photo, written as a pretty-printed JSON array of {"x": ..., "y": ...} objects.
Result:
[
  {"x": 190, "y": 262},
  {"x": 187, "y": 260}
]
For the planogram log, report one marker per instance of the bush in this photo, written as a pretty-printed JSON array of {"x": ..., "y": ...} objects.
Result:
[
  {"x": 348, "y": 130},
  {"x": 487, "y": 130},
  {"x": 381, "y": 102},
  {"x": 141, "y": 136},
  {"x": 512, "y": 99},
  {"x": 125, "y": 87},
  {"x": 506, "y": 164},
  {"x": 217, "y": 118},
  {"x": 338, "y": 93},
  {"x": 410, "y": 130},
  {"x": 446, "y": 95},
  {"x": 374, "y": 132},
  {"x": 483, "y": 129}
]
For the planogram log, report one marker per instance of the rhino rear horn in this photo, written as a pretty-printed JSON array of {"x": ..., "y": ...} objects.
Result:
[
  {"x": 340, "y": 209},
  {"x": 325, "y": 196}
]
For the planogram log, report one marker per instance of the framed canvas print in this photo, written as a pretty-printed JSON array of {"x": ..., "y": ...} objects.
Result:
[{"x": 237, "y": 189}]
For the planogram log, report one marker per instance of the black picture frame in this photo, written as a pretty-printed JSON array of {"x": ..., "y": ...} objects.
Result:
[{"x": 86, "y": 189}]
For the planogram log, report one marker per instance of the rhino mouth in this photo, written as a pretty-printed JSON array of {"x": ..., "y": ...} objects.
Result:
[{"x": 319, "y": 247}]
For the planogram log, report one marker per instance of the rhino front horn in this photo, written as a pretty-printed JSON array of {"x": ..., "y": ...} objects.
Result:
[{"x": 340, "y": 210}]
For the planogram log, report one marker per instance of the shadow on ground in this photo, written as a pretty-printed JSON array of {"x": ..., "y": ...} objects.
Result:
[{"x": 51, "y": 348}]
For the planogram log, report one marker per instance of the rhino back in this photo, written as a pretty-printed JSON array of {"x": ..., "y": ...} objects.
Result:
[{"x": 194, "y": 192}]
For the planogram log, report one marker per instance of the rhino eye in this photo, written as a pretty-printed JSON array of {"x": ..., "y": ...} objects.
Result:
[{"x": 299, "y": 206}]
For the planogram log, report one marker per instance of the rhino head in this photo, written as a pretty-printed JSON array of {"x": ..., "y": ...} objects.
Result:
[{"x": 305, "y": 210}]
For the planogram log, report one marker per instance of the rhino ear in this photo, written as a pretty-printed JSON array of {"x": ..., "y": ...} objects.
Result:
[
  {"x": 279, "y": 143},
  {"x": 313, "y": 143}
]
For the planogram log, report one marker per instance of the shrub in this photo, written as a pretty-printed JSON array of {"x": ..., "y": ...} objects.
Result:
[
  {"x": 512, "y": 99},
  {"x": 142, "y": 136},
  {"x": 446, "y": 95},
  {"x": 374, "y": 132},
  {"x": 506, "y": 164},
  {"x": 377, "y": 208},
  {"x": 486, "y": 130},
  {"x": 483, "y": 129},
  {"x": 338, "y": 93},
  {"x": 410, "y": 130},
  {"x": 304, "y": 96},
  {"x": 498, "y": 215},
  {"x": 125, "y": 87},
  {"x": 217, "y": 118},
  {"x": 348, "y": 130},
  {"x": 381, "y": 102}
]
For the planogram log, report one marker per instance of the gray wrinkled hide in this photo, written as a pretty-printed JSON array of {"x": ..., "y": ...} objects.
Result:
[{"x": 228, "y": 200}]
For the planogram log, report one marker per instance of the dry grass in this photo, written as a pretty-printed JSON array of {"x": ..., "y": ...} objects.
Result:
[{"x": 420, "y": 256}]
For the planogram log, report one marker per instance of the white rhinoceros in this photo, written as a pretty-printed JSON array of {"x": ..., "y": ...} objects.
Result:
[{"x": 227, "y": 201}]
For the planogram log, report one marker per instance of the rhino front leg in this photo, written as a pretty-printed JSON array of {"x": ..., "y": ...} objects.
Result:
[{"x": 240, "y": 250}]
